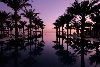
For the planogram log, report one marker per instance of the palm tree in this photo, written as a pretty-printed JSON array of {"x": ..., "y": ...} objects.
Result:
[
  {"x": 56, "y": 27},
  {"x": 8, "y": 24},
  {"x": 16, "y": 5},
  {"x": 36, "y": 21},
  {"x": 30, "y": 14},
  {"x": 41, "y": 25},
  {"x": 19, "y": 28},
  {"x": 95, "y": 17},
  {"x": 67, "y": 19},
  {"x": 62, "y": 22},
  {"x": 59, "y": 25},
  {"x": 23, "y": 23},
  {"x": 77, "y": 26},
  {"x": 4, "y": 16},
  {"x": 83, "y": 9},
  {"x": 28, "y": 28}
]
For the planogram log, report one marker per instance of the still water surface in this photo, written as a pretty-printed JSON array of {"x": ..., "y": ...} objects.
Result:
[{"x": 46, "y": 56}]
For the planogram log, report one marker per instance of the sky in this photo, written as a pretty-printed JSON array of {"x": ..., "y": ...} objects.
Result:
[{"x": 49, "y": 10}]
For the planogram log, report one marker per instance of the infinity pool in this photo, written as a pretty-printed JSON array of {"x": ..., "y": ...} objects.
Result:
[{"x": 47, "y": 55}]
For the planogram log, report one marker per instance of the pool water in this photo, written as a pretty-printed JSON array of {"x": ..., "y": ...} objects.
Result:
[{"x": 48, "y": 54}]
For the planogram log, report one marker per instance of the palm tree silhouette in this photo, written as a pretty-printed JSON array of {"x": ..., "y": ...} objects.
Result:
[
  {"x": 56, "y": 27},
  {"x": 31, "y": 15},
  {"x": 66, "y": 57},
  {"x": 4, "y": 58},
  {"x": 28, "y": 27},
  {"x": 23, "y": 23},
  {"x": 95, "y": 58},
  {"x": 15, "y": 44},
  {"x": 4, "y": 16},
  {"x": 31, "y": 61},
  {"x": 58, "y": 22},
  {"x": 42, "y": 26},
  {"x": 83, "y": 9},
  {"x": 16, "y": 5},
  {"x": 9, "y": 27},
  {"x": 36, "y": 21},
  {"x": 68, "y": 18},
  {"x": 62, "y": 22},
  {"x": 82, "y": 47},
  {"x": 95, "y": 17},
  {"x": 77, "y": 26},
  {"x": 57, "y": 46}
]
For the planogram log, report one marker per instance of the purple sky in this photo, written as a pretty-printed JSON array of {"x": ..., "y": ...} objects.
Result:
[{"x": 50, "y": 10}]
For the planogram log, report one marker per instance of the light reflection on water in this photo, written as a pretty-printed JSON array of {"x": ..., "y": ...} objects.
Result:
[{"x": 48, "y": 58}]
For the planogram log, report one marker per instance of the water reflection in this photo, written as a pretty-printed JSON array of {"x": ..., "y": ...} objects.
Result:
[
  {"x": 4, "y": 56},
  {"x": 83, "y": 48},
  {"x": 11, "y": 51},
  {"x": 49, "y": 52},
  {"x": 65, "y": 56},
  {"x": 95, "y": 58}
]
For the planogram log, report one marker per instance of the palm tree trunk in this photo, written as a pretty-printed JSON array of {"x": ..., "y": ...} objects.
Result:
[
  {"x": 70, "y": 31},
  {"x": 28, "y": 34},
  {"x": 30, "y": 25},
  {"x": 82, "y": 27},
  {"x": 56, "y": 31},
  {"x": 82, "y": 43},
  {"x": 16, "y": 29},
  {"x": 10, "y": 33},
  {"x": 36, "y": 31},
  {"x": 62, "y": 34},
  {"x": 67, "y": 30},
  {"x": 59, "y": 35},
  {"x": 1, "y": 30},
  {"x": 23, "y": 33},
  {"x": 77, "y": 30},
  {"x": 67, "y": 35},
  {"x": 42, "y": 34}
]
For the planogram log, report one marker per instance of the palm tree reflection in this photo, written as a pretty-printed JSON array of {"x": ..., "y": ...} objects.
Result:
[
  {"x": 15, "y": 44},
  {"x": 37, "y": 50},
  {"x": 82, "y": 47},
  {"x": 95, "y": 58},
  {"x": 4, "y": 57},
  {"x": 65, "y": 56}
]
